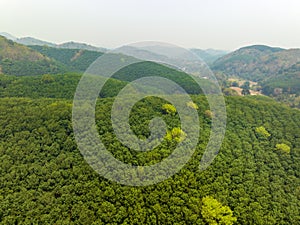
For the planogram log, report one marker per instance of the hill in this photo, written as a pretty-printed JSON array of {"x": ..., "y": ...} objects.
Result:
[
  {"x": 8, "y": 36},
  {"x": 285, "y": 86},
  {"x": 209, "y": 55},
  {"x": 33, "y": 41},
  {"x": 257, "y": 63},
  {"x": 59, "y": 86},
  {"x": 76, "y": 45},
  {"x": 17, "y": 59},
  {"x": 74, "y": 59}
]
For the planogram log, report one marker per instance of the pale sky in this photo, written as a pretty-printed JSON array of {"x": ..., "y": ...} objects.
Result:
[{"x": 219, "y": 24}]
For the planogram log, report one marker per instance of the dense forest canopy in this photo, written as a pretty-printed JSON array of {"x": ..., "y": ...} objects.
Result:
[{"x": 44, "y": 178}]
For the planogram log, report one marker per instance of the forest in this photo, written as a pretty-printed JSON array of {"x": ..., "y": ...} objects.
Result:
[{"x": 45, "y": 179}]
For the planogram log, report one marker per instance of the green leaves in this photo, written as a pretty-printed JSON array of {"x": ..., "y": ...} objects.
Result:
[
  {"x": 262, "y": 132},
  {"x": 176, "y": 134},
  {"x": 44, "y": 178},
  {"x": 192, "y": 105},
  {"x": 283, "y": 147},
  {"x": 169, "y": 109},
  {"x": 215, "y": 213}
]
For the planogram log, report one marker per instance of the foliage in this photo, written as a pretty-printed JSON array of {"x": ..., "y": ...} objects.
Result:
[
  {"x": 74, "y": 59},
  {"x": 261, "y": 131},
  {"x": 16, "y": 59},
  {"x": 246, "y": 92},
  {"x": 47, "y": 78},
  {"x": 169, "y": 109},
  {"x": 208, "y": 114},
  {"x": 229, "y": 92},
  {"x": 51, "y": 86},
  {"x": 176, "y": 134},
  {"x": 192, "y": 105},
  {"x": 257, "y": 63},
  {"x": 235, "y": 84},
  {"x": 215, "y": 213},
  {"x": 145, "y": 69},
  {"x": 45, "y": 180},
  {"x": 283, "y": 147},
  {"x": 284, "y": 86}
]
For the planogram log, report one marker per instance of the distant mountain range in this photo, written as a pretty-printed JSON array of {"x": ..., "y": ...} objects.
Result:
[
  {"x": 274, "y": 68},
  {"x": 68, "y": 45},
  {"x": 208, "y": 55}
]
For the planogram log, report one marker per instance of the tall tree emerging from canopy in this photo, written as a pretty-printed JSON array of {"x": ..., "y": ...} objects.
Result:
[{"x": 215, "y": 213}]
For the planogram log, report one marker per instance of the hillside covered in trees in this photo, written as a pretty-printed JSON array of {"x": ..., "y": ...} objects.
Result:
[
  {"x": 17, "y": 59},
  {"x": 77, "y": 60},
  {"x": 275, "y": 71},
  {"x": 44, "y": 178},
  {"x": 257, "y": 63}
]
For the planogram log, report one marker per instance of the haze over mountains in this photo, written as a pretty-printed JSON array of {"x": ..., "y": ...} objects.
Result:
[
  {"x": 275, "y": 70},
  {"x": 69, "y": 45},
  {"x": 208, "y": 55}
]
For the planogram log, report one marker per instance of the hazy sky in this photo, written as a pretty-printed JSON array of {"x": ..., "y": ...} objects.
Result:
[{"x": 221, "y": 24}]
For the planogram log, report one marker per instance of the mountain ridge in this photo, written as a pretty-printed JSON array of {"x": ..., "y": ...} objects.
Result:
[
  {"x": 256, "y": 62},
  {"x": 17, "y": 59},
  {"x": 34, "y": 41}
]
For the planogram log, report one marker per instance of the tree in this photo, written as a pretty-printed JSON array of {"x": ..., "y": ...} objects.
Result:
[
  {"x": 169, "y": 109},
  {"x": 176, "y": 134},
  {"x": 261, "y": 131},
  {"x": 283, "y": 147},
  {"x": 47, "y": 78},
  {"x": 246, "y": 88},
  {"x": 215, "y": 213},
  {"x": 192, "y": 105},
  {"x": 234, "y": 84},
  {"x": 208, "y": 114},
  {"x": 246, "y": 85},
  {"x": 246, "y": 92}
]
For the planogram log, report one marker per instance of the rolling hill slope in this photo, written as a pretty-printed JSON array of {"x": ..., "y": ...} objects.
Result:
[
  {"x": 17, "y": 59},
  {"x": 74, "y": 59},
  {"x": 257, "y": 63}
]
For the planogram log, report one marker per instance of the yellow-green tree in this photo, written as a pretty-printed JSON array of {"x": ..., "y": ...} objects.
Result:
[
  {"x": 215, "y": 213},
  {"x": 176, "y": 134},
  {"x": 192, "y": 105},
  {"x": 169, "y": 109},
  {"x": 261, "y": 131},
  {"x": 283, "y": 147}
]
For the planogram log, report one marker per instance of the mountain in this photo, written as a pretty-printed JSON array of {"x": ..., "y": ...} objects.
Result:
[
  {"x": 257, "y": 62},
  {"x": 74, "y": 59},
  {"x": 33, "y": 41},
  {"x": 8, "y": 36},
  {"x": 17, "y": 59},
  {"x": 76, "y": 45},
  {"x": 68, "y": 45},
  {"x": 209, "y": 55}
]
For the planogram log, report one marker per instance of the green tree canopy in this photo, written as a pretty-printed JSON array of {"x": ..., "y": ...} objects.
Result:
[
  {"x": 283, "y": 147},
  {"x": 169, "y": 109},
  {"x": 215, "y": 213}
]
